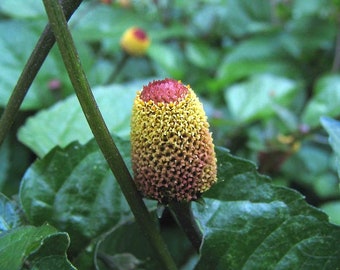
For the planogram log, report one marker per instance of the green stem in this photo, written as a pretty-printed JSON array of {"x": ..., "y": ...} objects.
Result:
[
  {"x": 118, "y": 68},
  {"x": 183, "y": 214},
  {"x": 101, "y": 133},
  {"x": 336, "y": 61},
  {"x": 35, "y": 61}
]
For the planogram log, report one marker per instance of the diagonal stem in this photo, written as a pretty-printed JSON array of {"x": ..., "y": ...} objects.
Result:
[
  {"x": 35, "y": 61},
  {"x": 119, "y": 66},
  {"x": 336, "y": 61},
  {"x": 182, "y": 212},
  {"x": 101, "y": 133}
]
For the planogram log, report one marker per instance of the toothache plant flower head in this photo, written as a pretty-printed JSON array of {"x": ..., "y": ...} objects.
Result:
[
  {"x": 135, "y": 41},
  {"x": 173, "y": 156}
]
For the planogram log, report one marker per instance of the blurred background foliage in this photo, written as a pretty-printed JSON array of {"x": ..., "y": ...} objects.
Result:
[{"x": 266, "y": 71}]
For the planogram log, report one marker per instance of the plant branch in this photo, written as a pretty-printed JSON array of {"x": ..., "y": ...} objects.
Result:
[
  {"x": 35, "y": 61},
  {"x": 119, "y": 66},
  {"x": 336, "y": 60},
  {"x": 101, "y": 133},
  {"x": 182, "y": 212}
]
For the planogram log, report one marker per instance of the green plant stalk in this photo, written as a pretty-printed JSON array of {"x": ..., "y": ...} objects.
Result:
[
  {"x": 35, "y": 61},
  {"x": 118, "y": 68},
  {"x": 336, "y": 60},
  {"x": 101, "y": 133},
  {"x": 182, "y": 212}
]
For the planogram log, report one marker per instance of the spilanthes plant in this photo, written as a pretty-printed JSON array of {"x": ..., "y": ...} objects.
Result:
[
  {"x": 135, "y": 41},
  {"x": 173, "y": 156},
  {"x": 74, "y": 196}
]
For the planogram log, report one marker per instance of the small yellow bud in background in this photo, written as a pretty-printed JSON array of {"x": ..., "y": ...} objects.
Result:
[
  {"x": 135, "y": 41},
  {"x": 124, "y": 3},
  {"x": 106, "y": 2}
]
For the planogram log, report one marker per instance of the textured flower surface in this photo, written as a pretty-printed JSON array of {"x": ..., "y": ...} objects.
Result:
[
  {"x": 173, "y": 156},
  {"x": 135, "y": 41}
]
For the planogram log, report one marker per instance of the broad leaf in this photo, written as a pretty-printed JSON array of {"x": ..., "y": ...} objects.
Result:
[
  {"x": 302, "y": 164},
  {"x": 312, "y": 7},
  {"x": 256, "y": 98},
  {"x": 251, "y": 224},
  {"x": 234, "y": 18},
  {"x": 170, "y": 64},
  {"x": 295, "y": 31},
  {"x": 10, "y": 216},
  {"x": 65, "y": 121},
  {"x": 43, "y": 247},
  {"x": 325, "y": 101},
  {"x": 14, "y": 57},
  {"x": 333, "y": 210},
  {"x": 124, "y": 261},
  {"x": 248, "y": 223},
  {"x": 74, "y": 190},
  {"x": 333, "y": 128},
  {"x": 113, "y": 22},
  {"x": 4, "y": 162},
  {"x": 231, "y": 72},
  {"x": 14, "y": 160},
  {"x": 256, "y": 55},
  {"x": 197, "y": 53},
  {"x": 23, "y": 9},
  {"x": 129, "y": 239},
  {"x": 52, "y": 254}
]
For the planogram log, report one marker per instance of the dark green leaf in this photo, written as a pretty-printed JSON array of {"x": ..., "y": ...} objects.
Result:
[
  {"x": 86, "y": 259},
  {"x": 124, "y": 261},
  {"x": 4, "y": 162},
  {"x": 294, "y": 40},
  {"x": 173, "y": 31},
  {"x": 14, "y": 160},
  {"x": 256, "y": 48},
  {"x": 325, "y": 101},
  {"x": 65, "y": 121},
  {"x": 234, "y": 71},
  {"x": 302, "y": 165},
  {"x": 251, "y": 224},
  {"x": 333, "y": 211},
  {"x": 201, "y": 55},
  {"x": 23, "y": 9},
  {"x": 333, "y": 128},
  {"x": 170, "y": 64},
  {"x": 326, "y": 185},
  {"x": 109, "y": 29},
  {"x": 259, "y": 54},
  {"x": 310, "y": 8},
  {"x": 42, "y": 246},
  {"x": 128, "y": 238},
  {"x": 74, "y": 190},
  {"x": 52, "y": 254},
  {"x": 233, "y": 18},
  {"x": 256, "y": 98},
  {"x": 14, "y": 56},
  {"x": 10, "y": 216}
]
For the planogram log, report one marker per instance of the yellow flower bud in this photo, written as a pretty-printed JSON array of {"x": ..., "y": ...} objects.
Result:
[
  {"x": 135, "y": 41},
  {"x": 173, "y": 156},
  {"x": 106, "y": 2}
]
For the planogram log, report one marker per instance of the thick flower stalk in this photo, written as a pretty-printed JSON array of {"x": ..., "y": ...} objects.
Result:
[{"x": 173, "y": 156}]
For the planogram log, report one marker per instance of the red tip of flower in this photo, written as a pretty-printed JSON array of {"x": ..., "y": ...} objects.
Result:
[
  {"x": 140, "y": 34},
  {"x": 167, "y": 90}
]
